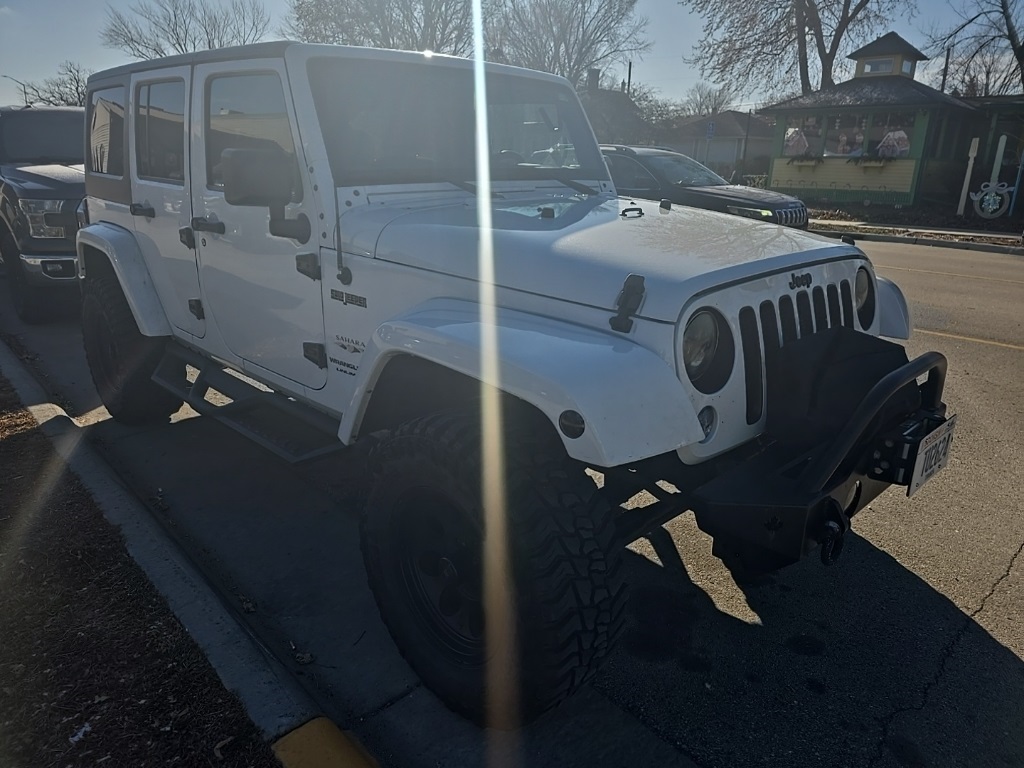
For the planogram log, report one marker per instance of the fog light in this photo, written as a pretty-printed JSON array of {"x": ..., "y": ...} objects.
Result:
[
  {"x": 52, "y": 267},
  {"x": 708, "y": 419}
]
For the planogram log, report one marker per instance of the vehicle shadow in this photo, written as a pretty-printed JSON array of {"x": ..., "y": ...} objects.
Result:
[{"x": 861, "y": 664}]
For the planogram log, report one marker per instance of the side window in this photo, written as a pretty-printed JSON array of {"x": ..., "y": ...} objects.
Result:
[
  {"x": 160, "y": 131},
  {"x": 106, "y": 131},
  {"x": 629, "y": 174},
  {"x": 245, "y": 112}
]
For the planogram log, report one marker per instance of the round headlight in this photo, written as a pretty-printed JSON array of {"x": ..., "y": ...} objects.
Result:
[
  {"x": 708, "y": 351},
  {"x": 864, "y": 297},
  {"x": 700, "y": 343}
]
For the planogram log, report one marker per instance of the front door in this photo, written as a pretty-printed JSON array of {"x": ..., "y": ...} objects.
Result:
[
  {"x": 268, "y": 312},
  {"x": 161, "y": 201}
]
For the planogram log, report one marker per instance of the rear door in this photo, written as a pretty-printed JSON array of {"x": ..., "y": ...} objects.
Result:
[
  {"x": 161, "y": 203},
  {"x": 266, "y": 308}
]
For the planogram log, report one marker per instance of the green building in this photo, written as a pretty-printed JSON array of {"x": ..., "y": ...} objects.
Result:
[{"x": 881, "y": 137}]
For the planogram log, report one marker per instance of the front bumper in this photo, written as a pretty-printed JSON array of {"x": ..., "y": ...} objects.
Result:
[
  {"x": 846, "y": 417},
  {"x": 50, "y": 270}
]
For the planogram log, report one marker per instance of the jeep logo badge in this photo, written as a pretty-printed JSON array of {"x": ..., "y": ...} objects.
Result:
[{"x": 800, "y": 281}]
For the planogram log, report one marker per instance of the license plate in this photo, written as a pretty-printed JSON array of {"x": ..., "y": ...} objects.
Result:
[{"x": 932, "y": 455}]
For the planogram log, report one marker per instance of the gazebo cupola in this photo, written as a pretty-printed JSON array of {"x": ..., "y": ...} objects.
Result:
[{"x": 888, "y": 55}]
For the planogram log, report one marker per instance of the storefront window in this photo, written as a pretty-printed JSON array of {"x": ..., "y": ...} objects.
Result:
[
  {"x": 889, "y": 134},
  {"x": 803, "y": 137},
  {"x": 845, "y": 137}
]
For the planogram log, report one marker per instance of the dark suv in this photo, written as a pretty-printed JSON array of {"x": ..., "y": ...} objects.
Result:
[
  {"x": 654, "y": 173},
  {"x": 41, "y": 185}
]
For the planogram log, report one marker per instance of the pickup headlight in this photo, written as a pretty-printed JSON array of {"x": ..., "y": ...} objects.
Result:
[
  {"x": 761, "y": 214},
  {"x": 707, "y": 351},
  {"x": 35, "y": 213},
  {"x": 864, "y": 298}
]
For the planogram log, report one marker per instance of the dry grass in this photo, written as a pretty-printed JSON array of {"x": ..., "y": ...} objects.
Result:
[{"x": 94, "y": 668}]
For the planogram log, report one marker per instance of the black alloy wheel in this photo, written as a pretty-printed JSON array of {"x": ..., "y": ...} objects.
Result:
[{"x": 423, "y": 537}]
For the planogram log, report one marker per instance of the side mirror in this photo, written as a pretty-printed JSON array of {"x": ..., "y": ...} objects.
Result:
[
  {"x": 261, "y": 178},
  {"x": 264, "y": 178}
]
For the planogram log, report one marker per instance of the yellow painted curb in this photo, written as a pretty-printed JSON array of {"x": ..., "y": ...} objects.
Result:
[{"x": 320, "y": 744}]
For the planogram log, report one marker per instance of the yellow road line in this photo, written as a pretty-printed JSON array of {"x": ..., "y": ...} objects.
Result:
[
  {"x": 320, "y": 744},
  {"x": 951, "y": 274},
  {"x": 970, "y": 338}
]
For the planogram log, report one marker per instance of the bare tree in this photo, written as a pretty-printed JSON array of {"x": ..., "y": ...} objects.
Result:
[
  {"x": 66, "y": 89},
  {"x": 756, "y": 45},
  {"x": 981, "y": 73},
  {"x": 705, "y": 99},
  {"x": 568, "y": 37},
  {"x": 652, "y": 108},
  {"x": 154, "y": 28},
  {"x": 443, "y": 26},
  {"x": 987, "y": 43}
]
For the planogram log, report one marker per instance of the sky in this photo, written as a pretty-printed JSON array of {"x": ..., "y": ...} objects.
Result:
[{"x": 37, "y": 35}]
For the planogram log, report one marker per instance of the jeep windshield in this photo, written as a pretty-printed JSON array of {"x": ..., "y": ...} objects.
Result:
[
  {"x": 413, "y": 122},
  {"x": 42, "y": 136}
]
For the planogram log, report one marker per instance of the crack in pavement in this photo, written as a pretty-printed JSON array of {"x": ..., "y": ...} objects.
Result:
[{"x": 947, "y": 652}]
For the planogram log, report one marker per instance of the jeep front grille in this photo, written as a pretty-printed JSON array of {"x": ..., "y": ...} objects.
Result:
[
  {"x": 771, "y": 326},
  {"x": 792, "y": 217}
]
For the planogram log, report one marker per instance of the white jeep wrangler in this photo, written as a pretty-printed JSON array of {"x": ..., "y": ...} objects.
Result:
[{"x": 307, "y": 231}]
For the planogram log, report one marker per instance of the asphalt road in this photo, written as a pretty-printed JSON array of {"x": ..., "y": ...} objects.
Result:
[{"x": 907, "y": 653}]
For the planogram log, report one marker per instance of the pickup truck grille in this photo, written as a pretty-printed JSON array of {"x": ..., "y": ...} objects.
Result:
[
  {"x": 792, "y": 217},
  {"x": 772, "y": 324}
]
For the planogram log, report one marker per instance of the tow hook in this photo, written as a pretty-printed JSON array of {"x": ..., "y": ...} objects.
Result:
[{"x": 834, "y": 534}]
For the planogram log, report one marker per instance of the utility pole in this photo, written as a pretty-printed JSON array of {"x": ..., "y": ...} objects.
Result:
[{"x": 24, "y": 88}]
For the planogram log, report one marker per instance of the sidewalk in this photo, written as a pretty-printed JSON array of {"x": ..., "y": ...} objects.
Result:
[{"x": 966, "y": 239}]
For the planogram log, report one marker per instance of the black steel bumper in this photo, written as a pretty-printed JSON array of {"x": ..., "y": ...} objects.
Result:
[{"x": 846, "y": 417}]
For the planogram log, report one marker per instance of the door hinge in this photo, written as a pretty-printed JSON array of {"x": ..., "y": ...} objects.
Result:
[
  {"x": 308, "y": 264},
  {"x": 195, "y": 306},
  {"x": 315, "y": 353}
]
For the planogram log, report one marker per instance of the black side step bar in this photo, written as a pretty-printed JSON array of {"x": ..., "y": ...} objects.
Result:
[{"x": 287, "y": 428}]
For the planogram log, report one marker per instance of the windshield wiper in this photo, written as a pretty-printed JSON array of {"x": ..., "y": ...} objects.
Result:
[
  {"x": 470, "y": 186},
  {"x": 583, "y": 189}
]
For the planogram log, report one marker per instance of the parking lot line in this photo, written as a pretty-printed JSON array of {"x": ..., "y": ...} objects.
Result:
[
  {"x": 951, "y": 274},
  {"x": 969, "y": 338}
]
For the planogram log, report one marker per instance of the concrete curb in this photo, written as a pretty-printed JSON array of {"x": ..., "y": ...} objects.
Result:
[
  {"x": 1012, "y": 250},
  {"x": 276, "y": 704}
]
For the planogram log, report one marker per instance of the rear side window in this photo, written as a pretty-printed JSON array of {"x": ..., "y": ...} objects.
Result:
[
  {"x": 245, "y": 112},
  {"x": 160, "y": 131},
  {"x": 629, "y": 174},
  {"x": 106, "y": 131}
]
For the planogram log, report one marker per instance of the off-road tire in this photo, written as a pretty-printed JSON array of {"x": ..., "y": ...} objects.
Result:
[
  {"x": 29, "y": 301},
  {"x": 122, "y": 360},
  {"x": 566, "y": 564}
]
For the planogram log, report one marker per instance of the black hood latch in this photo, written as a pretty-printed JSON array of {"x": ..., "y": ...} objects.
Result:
[{"x": 628, "y": 302}]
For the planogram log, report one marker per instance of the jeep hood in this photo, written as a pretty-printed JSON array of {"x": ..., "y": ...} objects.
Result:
[
  {"x": 582, "y": 250},
  {"x": 53, "y": 181}
]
